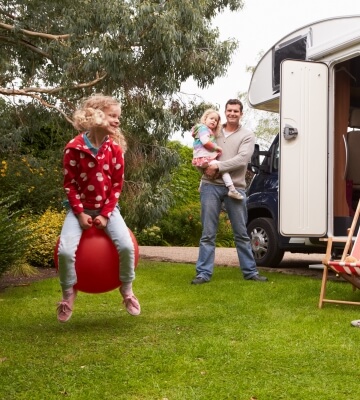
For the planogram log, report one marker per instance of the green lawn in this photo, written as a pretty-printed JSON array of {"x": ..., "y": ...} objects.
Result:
[{"x": 228, "y": 339}]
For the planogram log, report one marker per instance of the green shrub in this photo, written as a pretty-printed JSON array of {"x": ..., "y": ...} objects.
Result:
[
  {"x": 182, "y": 227},
  {"x": 36, "y": 183},
  {"x": 22, "y": 268},
  {"x": 45, "y": 232},
  {"x": 150, "y": 237},
  {"x": 14, "y": 236},
  {"x": 225, "y": 236}
]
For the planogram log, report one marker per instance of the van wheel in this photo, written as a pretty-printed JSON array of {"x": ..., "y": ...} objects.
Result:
[{"x": 264, "y": 242}]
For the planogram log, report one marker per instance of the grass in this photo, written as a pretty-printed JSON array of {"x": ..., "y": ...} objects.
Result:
[{"x": 228, "y": 339}]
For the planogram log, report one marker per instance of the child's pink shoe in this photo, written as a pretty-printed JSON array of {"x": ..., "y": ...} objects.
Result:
[
  {"x": 132, "y": 305},
  {"x": 65, "y": 306},
  {"x": 131, "y": 302}
]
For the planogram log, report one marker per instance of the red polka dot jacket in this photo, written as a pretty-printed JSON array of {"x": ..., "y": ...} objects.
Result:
[{"x": 91, "y": 181}]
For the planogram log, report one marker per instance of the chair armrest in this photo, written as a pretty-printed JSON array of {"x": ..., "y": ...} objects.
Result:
[
  {"x": 327, "y": 257},
  {"x": 336, "y": 239}
]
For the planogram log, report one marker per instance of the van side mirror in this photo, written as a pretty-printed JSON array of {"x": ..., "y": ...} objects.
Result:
[{"x": 254, "y": 164}]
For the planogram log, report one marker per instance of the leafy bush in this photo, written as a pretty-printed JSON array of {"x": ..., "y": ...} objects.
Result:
[
  {"x": 182, "y": 226},
  {"x": 14, "y": 236},
  {"x": 45, "y": 231},
  {"x": 35, "y": 182},
  {"x": 150, "y": 237},
  {"x": 225, "y": 236},
  {"x": 186, "y": 178}
]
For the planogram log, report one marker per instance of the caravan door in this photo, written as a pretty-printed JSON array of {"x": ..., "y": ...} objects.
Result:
[{"x": 303, "y": 149}]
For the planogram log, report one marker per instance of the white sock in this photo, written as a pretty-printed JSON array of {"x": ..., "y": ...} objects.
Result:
[
  {"x": 67, "y": 293},
  {"x": 126, "y": 288}
]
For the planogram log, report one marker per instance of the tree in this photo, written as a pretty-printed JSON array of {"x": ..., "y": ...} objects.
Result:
[
  {"x": 56, "y": 52},
  {"x": 264, "y": 124},
  {"x": 267, "y": 128},
  {"x": 186, "y": 178}
]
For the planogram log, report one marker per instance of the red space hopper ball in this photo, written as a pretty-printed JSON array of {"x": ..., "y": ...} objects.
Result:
[{"x": 97, "y": 261}]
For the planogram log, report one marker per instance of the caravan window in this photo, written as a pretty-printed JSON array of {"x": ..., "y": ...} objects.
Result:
[{"x": 294, "y": 50}]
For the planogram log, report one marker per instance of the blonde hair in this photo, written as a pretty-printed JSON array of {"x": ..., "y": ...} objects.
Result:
[
  {"x": 206, "y": 114},
  {"x": 91, "y": 115}
]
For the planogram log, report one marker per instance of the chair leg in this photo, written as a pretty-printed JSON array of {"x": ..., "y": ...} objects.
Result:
[{"x": 323, "y": 285}]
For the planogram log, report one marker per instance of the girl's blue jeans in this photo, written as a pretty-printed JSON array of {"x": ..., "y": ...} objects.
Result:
[{"x": 70, "y": 236}]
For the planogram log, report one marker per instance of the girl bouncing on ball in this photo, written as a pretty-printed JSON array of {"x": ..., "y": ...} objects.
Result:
[{"x": 93, "y": 178}]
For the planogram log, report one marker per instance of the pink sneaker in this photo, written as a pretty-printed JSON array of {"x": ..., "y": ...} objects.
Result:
[
  {"x": 65, "y": 306},
  {"x": 132, "y": 304}
]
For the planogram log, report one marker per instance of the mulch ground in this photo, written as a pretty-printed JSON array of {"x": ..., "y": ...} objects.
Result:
[{"x": 7, "y": 280}]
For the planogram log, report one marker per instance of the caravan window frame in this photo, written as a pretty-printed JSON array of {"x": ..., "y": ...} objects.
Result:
[{"x": 294, "y": 49}]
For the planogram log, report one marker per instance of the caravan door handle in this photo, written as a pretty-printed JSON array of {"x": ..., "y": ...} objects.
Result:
[
  {"x": 290, "y": 132},
  {"x": 346, "y": 157}
]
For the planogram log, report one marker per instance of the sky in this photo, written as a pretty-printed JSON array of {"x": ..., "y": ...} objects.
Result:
[{"x": 257, "y": 27}]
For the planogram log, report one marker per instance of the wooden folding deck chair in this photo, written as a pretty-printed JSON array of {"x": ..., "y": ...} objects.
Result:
[{"x": 350, "y": 271}]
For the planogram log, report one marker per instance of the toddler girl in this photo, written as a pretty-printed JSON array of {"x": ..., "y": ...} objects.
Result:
[{"x": 206, "y": 150}]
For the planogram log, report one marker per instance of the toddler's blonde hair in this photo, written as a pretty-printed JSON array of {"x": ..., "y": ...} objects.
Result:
[
  {"x": 206, "y": 114},
  {"x": 91, "y": 115}
]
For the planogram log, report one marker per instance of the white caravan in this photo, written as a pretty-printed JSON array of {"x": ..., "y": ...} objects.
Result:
[{"x": 312, "y": 78}]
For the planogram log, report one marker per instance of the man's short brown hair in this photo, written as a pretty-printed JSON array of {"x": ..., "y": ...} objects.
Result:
[{"x": 234, "y": 101}]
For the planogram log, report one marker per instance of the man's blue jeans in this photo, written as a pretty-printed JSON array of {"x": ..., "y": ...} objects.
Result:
[{"x": 211, "y": 198}]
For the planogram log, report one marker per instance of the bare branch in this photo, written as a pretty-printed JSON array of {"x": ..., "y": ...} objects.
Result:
[
  {"x": 91, "y": 83},
  {"x": 37, "y": 34},
  {"x": 28, "y": 91},
  {"x": 34, "y": 93},
  {"x": 41, "y": 100},
  {"x": 26, "y": 44}
]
